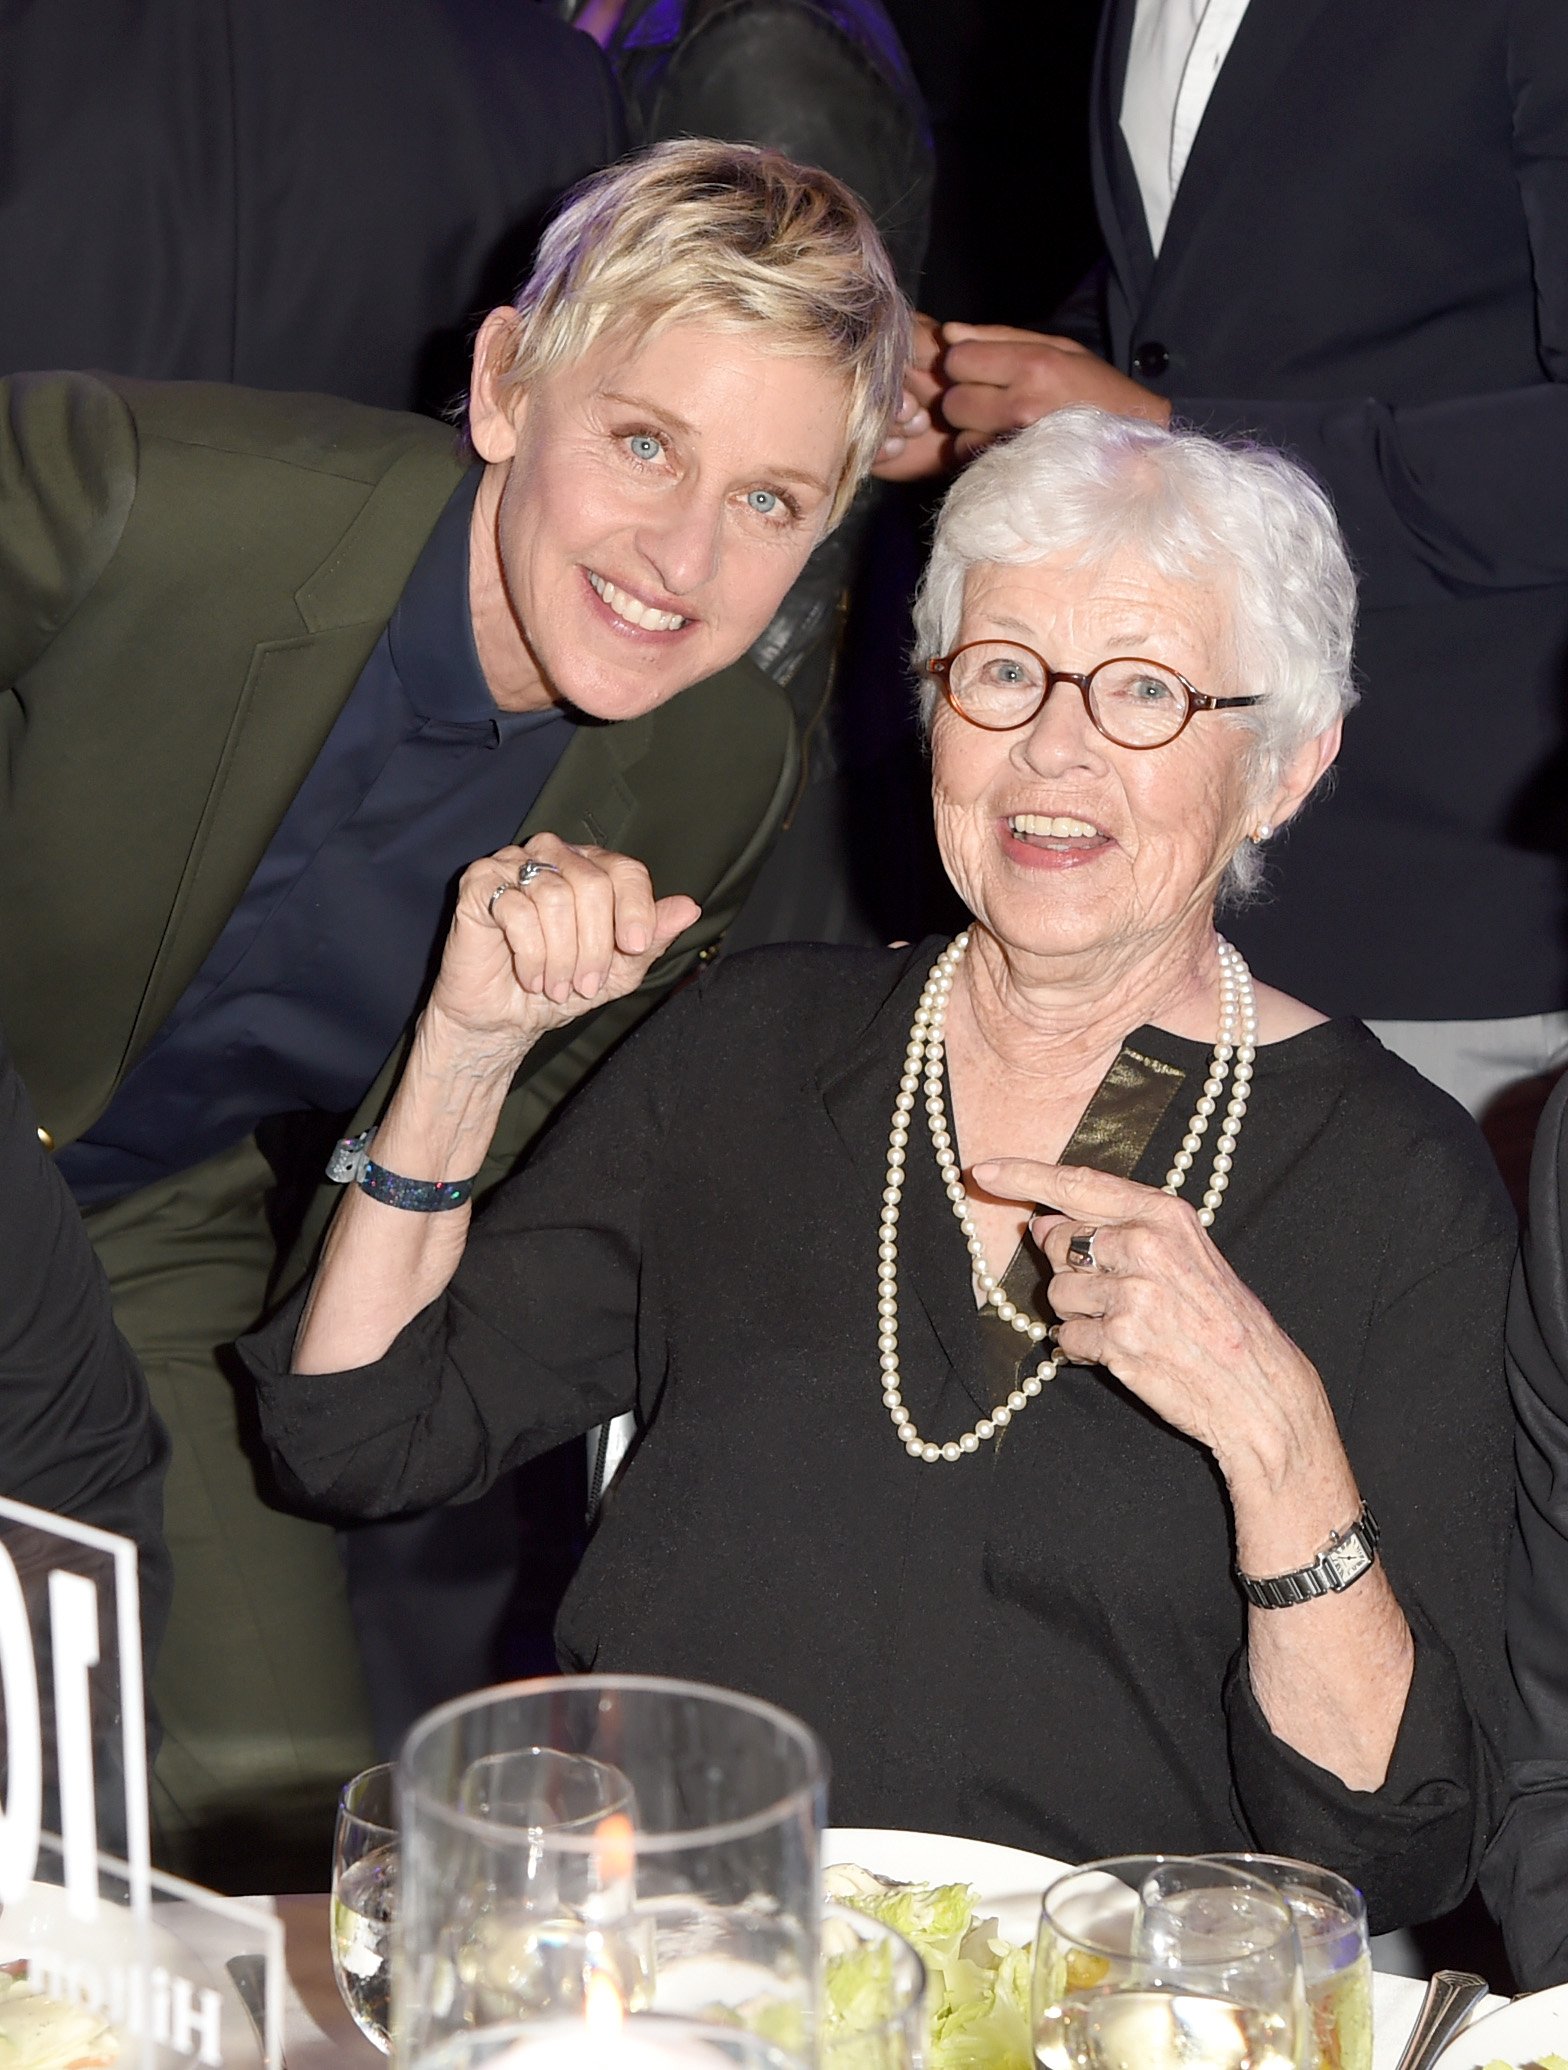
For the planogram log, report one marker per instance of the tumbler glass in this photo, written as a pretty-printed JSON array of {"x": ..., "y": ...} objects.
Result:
[{"x": 1336, "y": 1959}]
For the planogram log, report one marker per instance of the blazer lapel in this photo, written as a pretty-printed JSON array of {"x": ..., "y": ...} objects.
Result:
[
  {"x": 1117, "y": 197},
  {"x": 1267, "y": 39},
  {"x": 291, "y": 698},
  {"x": 858, "y": 1089},
  {"x": 588, "y": 797}
]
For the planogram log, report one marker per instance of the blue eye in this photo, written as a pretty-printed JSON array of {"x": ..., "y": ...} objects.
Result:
[
  {"x": 763, "y": 501},
  {"x": 644, "y": 446}
]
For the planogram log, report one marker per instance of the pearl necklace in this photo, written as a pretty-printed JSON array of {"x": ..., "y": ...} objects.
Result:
[{"x": 1234, "y": 1051}]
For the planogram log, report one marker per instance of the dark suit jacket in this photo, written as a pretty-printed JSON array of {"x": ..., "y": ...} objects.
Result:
[
  {"x": 1367, "y": 262},
  {"x": 295, "y": 194},
  {"x": 190, "y": 581}
]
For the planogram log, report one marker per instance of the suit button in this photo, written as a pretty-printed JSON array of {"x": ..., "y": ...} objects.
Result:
[
  {"x": 47, "y": 1140},
  {"x": 1150, "y": 360}
]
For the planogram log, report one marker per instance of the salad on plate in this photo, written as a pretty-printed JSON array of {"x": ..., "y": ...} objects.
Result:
[{"x": 978, "y": 1980}]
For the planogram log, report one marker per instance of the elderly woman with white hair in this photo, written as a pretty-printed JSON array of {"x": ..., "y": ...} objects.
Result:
[{"x": 1067, "y": 1372}]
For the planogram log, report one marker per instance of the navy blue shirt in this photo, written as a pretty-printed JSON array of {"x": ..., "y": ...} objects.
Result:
[{"x": 326, "y": 956}]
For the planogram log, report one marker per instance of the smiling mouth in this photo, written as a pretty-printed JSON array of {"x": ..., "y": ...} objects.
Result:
[
  {"x": 633, "y": 609},
  {"x": 1055, "y": 830}
]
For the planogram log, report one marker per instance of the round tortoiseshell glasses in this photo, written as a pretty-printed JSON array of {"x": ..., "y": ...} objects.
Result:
[{"x": 1135, "y": 702}]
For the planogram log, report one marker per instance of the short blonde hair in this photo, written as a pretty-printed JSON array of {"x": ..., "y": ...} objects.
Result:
[{"x": 729, "y": 235}]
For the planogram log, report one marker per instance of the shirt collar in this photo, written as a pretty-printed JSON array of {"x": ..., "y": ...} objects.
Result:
[{"x": 431, "y": 634}]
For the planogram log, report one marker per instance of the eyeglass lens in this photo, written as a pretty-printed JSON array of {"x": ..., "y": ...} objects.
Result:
[{"x": 1136, "y": 702}]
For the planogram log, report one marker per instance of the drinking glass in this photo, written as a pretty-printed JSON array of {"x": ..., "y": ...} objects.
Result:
[
  {"x": 697, "y": 1890},
  {"x": 517, "y": 1860},
  {"x": 873, "y": 1995},
  {"x": 1150, "y": 1962},
  {"x": 364, "y": 1898},
  {"x": 1336, "y": 1960}
]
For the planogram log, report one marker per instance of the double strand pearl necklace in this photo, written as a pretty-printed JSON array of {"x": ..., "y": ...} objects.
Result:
[{"x": 1234, "y": 1051}]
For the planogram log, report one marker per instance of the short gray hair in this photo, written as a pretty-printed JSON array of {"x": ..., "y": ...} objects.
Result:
[{"x": 1087, "y": 486}]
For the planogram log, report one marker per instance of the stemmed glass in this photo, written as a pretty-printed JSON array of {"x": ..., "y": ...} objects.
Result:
[
  {"x": 364, "y": 1899},
  {"x": 1167, "y": 1963}
]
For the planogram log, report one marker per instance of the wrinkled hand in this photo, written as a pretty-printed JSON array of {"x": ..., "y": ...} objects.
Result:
[
  {"x": 997, "y": 379},
  {"x": 1165, "y": 1313},
  {"x": 535, "y": 958}
]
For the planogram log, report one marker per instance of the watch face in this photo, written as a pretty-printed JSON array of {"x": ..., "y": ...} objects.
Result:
[{"x": 1350, "y": 1559}]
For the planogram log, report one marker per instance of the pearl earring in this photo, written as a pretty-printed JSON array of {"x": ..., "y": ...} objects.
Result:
[{"x": 1261, "y": 833}]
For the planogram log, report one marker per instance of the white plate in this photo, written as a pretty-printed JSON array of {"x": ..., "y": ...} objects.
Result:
[
  {"x": 1009, "y": 1883},
  {"x": 1518, "y": 2033},
  {"x": 41, "y": 1919}
]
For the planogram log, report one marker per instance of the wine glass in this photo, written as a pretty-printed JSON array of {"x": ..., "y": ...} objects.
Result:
[
  {"x": 1150, "y": 1962},
  {"x": 364, "y": 1898},
  {"x": 698, "y": 1890},
  {"x": 1336, "y": 1959}
]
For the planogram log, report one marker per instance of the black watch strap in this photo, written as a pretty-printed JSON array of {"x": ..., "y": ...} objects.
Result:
[{"x": 1348, "y": 1555}]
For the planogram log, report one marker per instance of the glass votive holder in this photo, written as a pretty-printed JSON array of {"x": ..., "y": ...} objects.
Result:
[
  {"x": 706, "y": 1857},
  {"x": 636, "y": 2041}
]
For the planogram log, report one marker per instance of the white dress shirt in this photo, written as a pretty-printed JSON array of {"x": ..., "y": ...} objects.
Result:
[{"x": 1177, "y": 49}]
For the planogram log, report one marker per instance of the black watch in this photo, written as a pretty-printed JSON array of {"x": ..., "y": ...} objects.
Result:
[{"x": 1348, "y": 1555}]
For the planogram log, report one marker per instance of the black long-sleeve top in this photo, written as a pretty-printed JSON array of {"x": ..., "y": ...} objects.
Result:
[
  {"x": 1041, "y": 1644},
  {"x": 1526, "y": 1873},
  {"x": 77, "y": 1431},
  {"x": 78, "y": 1435}
]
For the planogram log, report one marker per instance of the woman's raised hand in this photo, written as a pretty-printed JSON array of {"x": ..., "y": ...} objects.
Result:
[
  {"x": 546, "y": 932},
  {"x": 1162, "y": 1310}
]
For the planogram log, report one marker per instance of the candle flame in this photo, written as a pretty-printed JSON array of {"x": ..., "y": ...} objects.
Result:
[
  {"x": 603, "y": 2011},
  {"x": 615, "y": 1850}
]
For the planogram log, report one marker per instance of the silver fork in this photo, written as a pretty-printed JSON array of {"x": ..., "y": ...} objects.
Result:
[{"x": 1447, "y": 2005}]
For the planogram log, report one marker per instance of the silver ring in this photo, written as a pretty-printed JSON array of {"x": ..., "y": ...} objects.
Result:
[
  {"x": 526, "y": 872},
  {"x": 1080, "y": 1251}
]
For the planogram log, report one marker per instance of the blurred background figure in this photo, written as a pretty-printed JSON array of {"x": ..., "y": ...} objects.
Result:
[
  {"x": 302, "y": 194},
  {"x": 826, "y": 82}
]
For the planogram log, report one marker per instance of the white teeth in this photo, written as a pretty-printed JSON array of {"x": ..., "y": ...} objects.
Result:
[
  {"x": 634, "y": 612},
  {"x": 1058, "y": 828}
]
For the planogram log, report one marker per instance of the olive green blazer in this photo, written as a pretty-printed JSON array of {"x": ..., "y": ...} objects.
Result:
[{"x": 191, "y": 579}]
